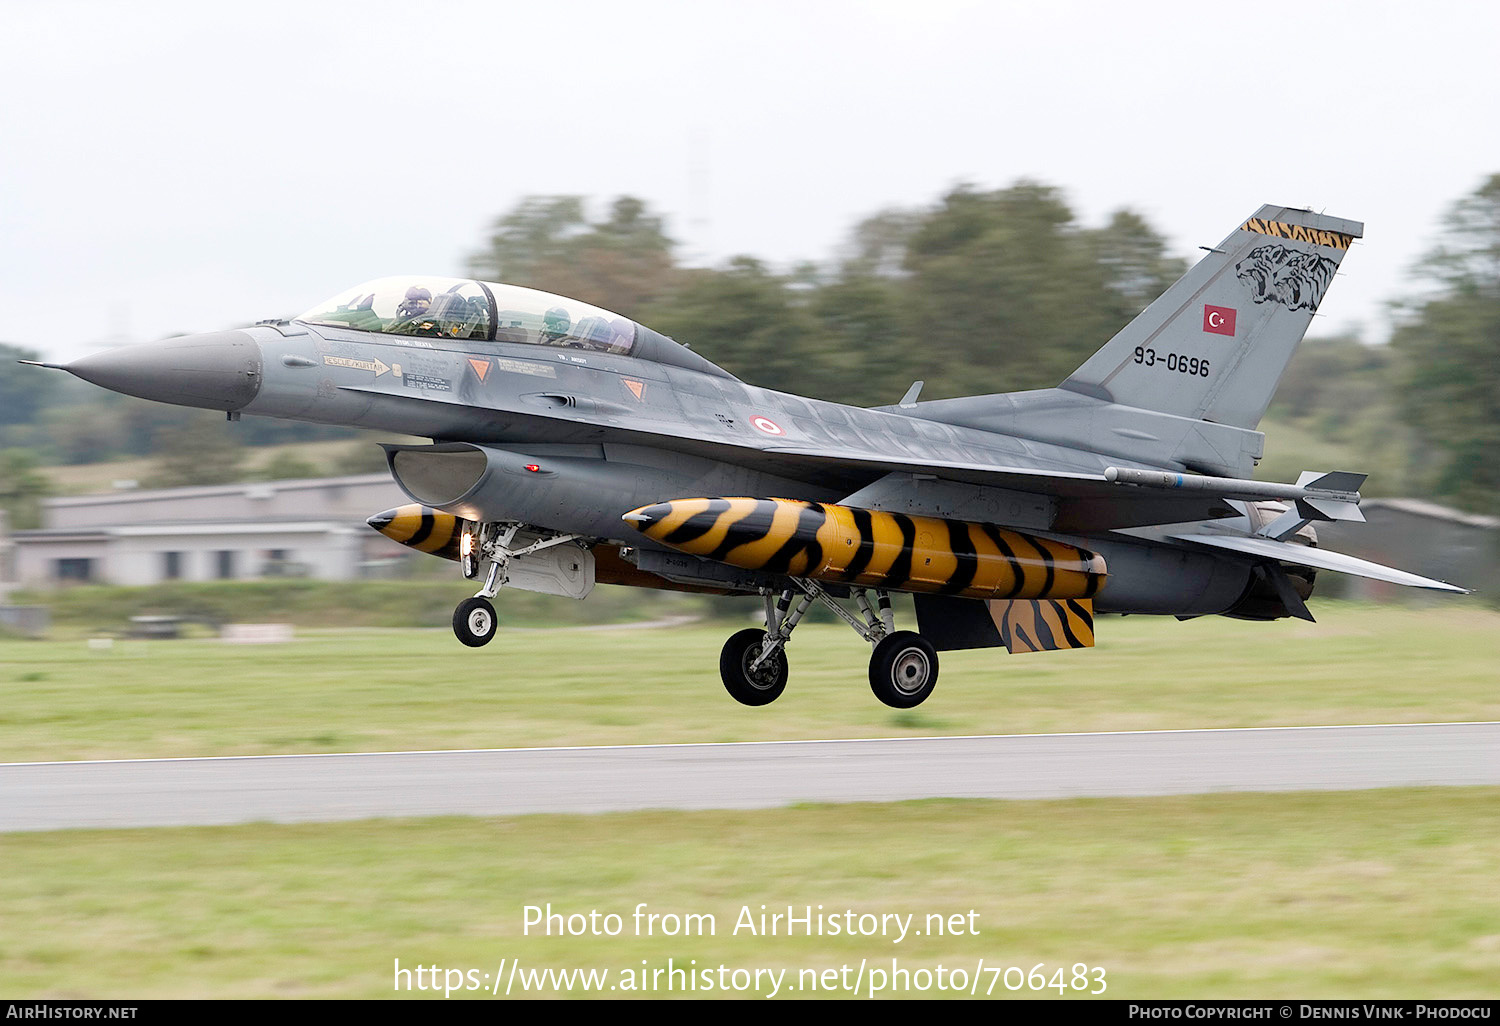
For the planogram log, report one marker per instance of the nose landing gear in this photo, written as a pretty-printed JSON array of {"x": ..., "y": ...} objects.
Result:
[{"x": 474, "y": 621}]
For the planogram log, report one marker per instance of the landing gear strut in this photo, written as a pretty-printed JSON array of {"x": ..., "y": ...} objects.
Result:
[
  {"x": 903, "y": 667},
  {"x": 474, "y": 621}
]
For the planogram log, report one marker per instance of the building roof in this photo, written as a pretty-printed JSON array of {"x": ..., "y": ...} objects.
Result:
[
  {"x": 247, "y": 489},
  {"x": 181, "y": 529},
  {"x": 1423, "y": 508}
]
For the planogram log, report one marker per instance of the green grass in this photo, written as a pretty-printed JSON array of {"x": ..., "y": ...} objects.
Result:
[
  {"x": 380, "y": 690},
  {"x": 1370, "y": 894},
  {"x": 81, "y": 610}
]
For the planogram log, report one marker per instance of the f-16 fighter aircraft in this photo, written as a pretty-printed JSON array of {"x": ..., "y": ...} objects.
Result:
[{"x": 571, "y": 446}]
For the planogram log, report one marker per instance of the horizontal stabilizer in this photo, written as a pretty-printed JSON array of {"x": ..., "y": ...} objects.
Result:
[{"x": 1321, "y": 559}]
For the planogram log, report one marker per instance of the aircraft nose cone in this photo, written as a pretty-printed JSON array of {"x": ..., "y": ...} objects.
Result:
[
  {"x": 380, "y": 521},
  {"x": 219, "y": 370}
]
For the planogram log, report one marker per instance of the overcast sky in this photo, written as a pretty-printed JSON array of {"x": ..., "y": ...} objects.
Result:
[{"x": 184, "y": 167}]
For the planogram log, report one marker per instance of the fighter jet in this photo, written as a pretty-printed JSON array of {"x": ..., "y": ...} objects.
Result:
[{"x": 572, "y": 446}]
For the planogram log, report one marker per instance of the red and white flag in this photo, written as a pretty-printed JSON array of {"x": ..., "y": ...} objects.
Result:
[{"x": 1218, "y": 319}]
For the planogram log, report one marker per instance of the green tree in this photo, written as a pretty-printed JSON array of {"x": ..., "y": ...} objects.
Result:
[
  {"x": 24, "y": 391},
  {"x": 1007, "y": 291},
  {"x": 22, "y": 489},
  {"x": 746, "y": 319},
  {"x": 1342, "y": 391},
  {"x": 548, "y": 243},
  {"x": 1134, "y": 261},
  {"x": 360, "y": 458},
  {"x": 285, "y": 466},
  {"x": 865, "y": 339},
  {"x": 205, "y": 454},
  {"x": 1448, "y": 346}
]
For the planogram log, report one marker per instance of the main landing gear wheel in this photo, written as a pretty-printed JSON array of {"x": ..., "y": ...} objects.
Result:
[
  {"x": 474, "y": 621},
  {"x": 766, "y": 683},
  {"x": 903, "y": 670}
]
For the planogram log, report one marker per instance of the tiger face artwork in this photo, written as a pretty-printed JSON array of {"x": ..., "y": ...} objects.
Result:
[{"x": 1277, "y": 274}]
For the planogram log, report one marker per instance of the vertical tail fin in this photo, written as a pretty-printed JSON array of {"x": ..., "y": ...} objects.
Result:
[{"x": 1214, "y": 345}]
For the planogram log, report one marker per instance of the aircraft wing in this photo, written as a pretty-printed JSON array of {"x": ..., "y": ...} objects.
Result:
[
  {"x": 1321, "y": 559},
  {"x": 1081, "y": 502},
  {"x": 1085, "y": 502}
]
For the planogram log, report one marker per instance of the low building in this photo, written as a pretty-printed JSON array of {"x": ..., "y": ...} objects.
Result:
[
  {"x": 312, "y": 527},
  {"x": 1423, "y": 538},
  {"x": 7, "y": 560}
]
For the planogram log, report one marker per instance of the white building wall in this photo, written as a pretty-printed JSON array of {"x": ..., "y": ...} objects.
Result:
[
  {"x": 316, "y": 522},
  {"x": 136, "y": 555},
  {"x": 37, "y": 564}
]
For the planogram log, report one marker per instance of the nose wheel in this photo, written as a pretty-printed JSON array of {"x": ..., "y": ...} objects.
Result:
[
  {"x": 489, "y": 547},
  {"x": 474, "y": 621}
]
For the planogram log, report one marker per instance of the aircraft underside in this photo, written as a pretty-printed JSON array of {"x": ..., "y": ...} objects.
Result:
[{"x": 975, "y": 584}]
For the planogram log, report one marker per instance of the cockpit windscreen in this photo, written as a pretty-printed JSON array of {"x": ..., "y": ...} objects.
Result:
[{"x": 475, "y": 310}]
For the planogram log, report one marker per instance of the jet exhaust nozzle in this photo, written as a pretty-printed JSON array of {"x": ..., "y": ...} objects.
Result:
[{"x": 870, "y": 548}]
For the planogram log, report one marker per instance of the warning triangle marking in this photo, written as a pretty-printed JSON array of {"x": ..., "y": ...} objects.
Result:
[
  {"x": 481, "y": 367},
  {"x": 637, "y": 388}
]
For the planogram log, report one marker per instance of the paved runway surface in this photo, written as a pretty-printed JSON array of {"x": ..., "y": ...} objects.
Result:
[{"x": 296, "y": 788}]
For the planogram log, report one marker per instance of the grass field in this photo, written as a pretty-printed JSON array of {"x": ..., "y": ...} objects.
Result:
[
  {"x": 1368, "y": 894},
  {"x": 382, "y": 690},
  {"x": 1350, "y": 894}
]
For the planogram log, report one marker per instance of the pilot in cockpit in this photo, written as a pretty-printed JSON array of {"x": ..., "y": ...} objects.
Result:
[
  {"x": 411, "y": 314},
  {"x": 416, "y": 304},
  {"x": 555, "y": 326}
]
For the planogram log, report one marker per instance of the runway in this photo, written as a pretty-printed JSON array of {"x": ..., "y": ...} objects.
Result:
[{"x": 502, "y": 782}]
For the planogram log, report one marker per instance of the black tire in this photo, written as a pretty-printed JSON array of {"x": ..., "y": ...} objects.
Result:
[
  {"x": 903, "y": 670},
  {"x": 769, "y": 681},
  {"x": 474, "y": 622}
]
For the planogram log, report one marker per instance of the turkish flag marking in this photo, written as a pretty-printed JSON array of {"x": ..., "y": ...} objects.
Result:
[
  {"x": 1219, "y": 320},
  {"x": 481, "y": 367}
]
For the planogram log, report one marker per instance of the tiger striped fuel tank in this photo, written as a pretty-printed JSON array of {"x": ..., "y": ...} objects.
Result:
[
  {"x": 423, "y": 528},
  {"x": 842, "y": 544}
]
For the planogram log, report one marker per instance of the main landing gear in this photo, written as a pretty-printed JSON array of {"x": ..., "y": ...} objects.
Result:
[
  {"x": 903, "y": 667},
  {"x": 474, "y": 621}
]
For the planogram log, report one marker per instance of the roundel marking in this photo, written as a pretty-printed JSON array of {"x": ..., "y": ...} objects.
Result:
[{"x": 766, "y": 425}]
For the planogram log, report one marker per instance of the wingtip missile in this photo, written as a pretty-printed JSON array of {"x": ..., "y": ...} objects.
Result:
[{"x": 1339, "y": 486}]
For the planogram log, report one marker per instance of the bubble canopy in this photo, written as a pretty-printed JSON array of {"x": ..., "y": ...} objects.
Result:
[{"x": 459, "y": 308}]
